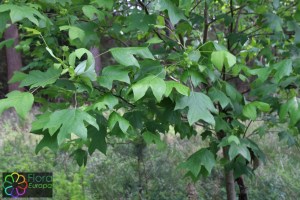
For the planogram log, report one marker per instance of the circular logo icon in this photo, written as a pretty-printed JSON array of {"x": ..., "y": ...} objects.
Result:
[{"x": 15, "y": 185}]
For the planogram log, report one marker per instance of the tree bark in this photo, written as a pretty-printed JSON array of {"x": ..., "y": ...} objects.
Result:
[
  {"x": 243, "y": 189},
  {"x": 229, "y": 179},
  {"x": 98, "y": 65},
  {"x": 13, "y": 58},
  {"x": 192, "y": 192}
]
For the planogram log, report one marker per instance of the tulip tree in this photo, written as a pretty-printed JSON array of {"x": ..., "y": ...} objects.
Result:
[{"x": 180, "y": 64}]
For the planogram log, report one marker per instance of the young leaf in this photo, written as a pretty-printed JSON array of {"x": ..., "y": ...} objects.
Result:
[
  {"x": 21, "y": 101},
  {"x": 69, "y": 121},
  {"x": 157, "y": 85},
  {"x": 200, "y": 107},
  {"x": 86, "y": 71},
  {"x": 125, "y": 56},
  {"x": 37, "y": 78}
]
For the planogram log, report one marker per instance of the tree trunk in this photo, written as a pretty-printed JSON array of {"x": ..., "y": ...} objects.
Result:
[
  {"x": 229, "y": 179},
  {"x": 243, "y": 189},
  {"x": 13, "y": 58},
  {"x": 192, "y": 192},
  {"x": 98, "y": 66}
]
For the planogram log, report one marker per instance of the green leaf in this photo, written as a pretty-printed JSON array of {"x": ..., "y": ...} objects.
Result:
[
  {"x": 194, "y": 55},
  {"x": 292, "y": 107},
  {"x": 69, "y": 121},
  {"x": 153, "y": 138},
  {"x": 125, "y": 56},
  {"x": 203, "y": 157},
  {"x": 4, "y": 16},
  {"x": 157, "y": 85},
  {"x": 17, "y": 77},
  {"x": 233, "y": 138},
  {"x": 154, "y": 40},
  {"x": 97, "y": 139},
  {"x": 249, "y": 110},
  {"x": 175, "y": 14},
  {"x": 37, "y": 78},
  {"x": 21, "y": 101},
  {"x": 241, "y": 149},
  {"x": 223, "y": 58},
  {"x": 217, "y": 95},
  {"x": 116, "y": 118},
  {"x": 82, "y": 69},
  {"x": 18, "y": 13},
  {"x": 40, "y": 121},
  {"x": 32, "y": 31},
  {"x": 200, "y": 107},
  {"x": 80, "y": 156},
  {"x": 52, "y": 54},
  {"x": 113, "y": 73},
  {"x": 108, "y": 4},
  {"x": 182, "y": 89},
  {"x": 274, "y": 22},
  {"x": 74, "y": 32},
  {"x": 47, "y": 141},
  {"x": 91, "y": 12},
  {"x": 283, "y": 68},
  {"x": 8, "y": 43},
  {"x": 78, "y": 53},
  {"x": 107, "y": 100},
  {"x": 232, "y": 93}
]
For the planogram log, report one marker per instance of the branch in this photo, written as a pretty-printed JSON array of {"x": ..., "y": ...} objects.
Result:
[
  {"x": 239, "y": 8},
  {"x": 195, "y": 6},
  {"x": 144, "y": 7},
  {"x": 206, "y": 23},
  {"x": 247, "y": 128}
]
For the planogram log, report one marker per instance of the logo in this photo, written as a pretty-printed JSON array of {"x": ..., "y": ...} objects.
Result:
[
  {"x": 29, "y": 184},
  {"x": 15, "y": 185}
]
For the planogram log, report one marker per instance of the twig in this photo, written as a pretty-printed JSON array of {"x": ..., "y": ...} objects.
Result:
[
  {"x": 195, "y": 6},
  {"x": 206, "y": 23},
  {"x": 247, "y": 128}
]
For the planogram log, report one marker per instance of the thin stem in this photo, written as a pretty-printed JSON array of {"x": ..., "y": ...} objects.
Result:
[
  {"x": 102, "y": 54},
  {"x": 247, "y": 128}
]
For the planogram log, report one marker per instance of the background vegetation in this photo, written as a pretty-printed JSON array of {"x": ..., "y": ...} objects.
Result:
[{"x": 115, "y": 176}]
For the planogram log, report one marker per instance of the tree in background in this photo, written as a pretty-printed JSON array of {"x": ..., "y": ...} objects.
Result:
[
  {"x": 219, "y": 65},
  {"x": 13, "y": 58}
]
